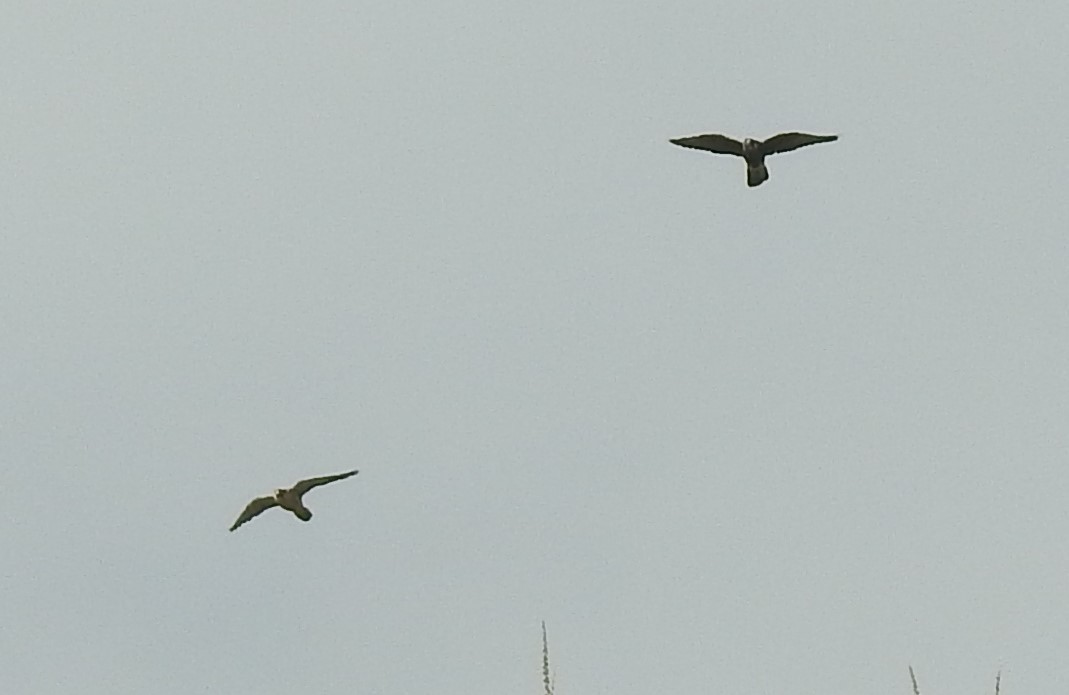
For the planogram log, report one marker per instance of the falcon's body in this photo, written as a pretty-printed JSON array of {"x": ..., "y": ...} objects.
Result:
[
  {"x": 753, "y": 151},
  {"x": 288, "y": 498},
  {"x": 290, "y": 501}
]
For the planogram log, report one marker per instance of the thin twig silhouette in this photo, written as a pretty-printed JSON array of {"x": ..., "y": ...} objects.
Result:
[{"x": 546, "y": 680}]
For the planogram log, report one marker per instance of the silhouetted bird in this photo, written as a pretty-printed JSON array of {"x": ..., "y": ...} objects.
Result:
[
  {"x": 753, "y": 151},
  {"x": 288, "y": 499}
]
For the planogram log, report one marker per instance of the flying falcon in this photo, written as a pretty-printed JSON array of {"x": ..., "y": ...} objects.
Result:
[
  {"x": 753, "y": 151},
  {"x": 288, "y": 499}
]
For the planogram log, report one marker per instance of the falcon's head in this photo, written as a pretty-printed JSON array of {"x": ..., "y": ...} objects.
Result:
[
  {"x": 279, "y": 493},
  {"x": 750, "y": 144}
]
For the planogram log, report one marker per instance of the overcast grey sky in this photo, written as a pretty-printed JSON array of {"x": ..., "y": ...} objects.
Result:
[{"x": 778, "y": 440}]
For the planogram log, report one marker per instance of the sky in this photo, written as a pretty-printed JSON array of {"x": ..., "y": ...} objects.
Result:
[{"x": 788, "y": 439}]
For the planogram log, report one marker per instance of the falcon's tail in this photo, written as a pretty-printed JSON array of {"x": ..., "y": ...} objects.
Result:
[
  {"x": 304, "y": 513},
  {"x": 756, "y": 174}
]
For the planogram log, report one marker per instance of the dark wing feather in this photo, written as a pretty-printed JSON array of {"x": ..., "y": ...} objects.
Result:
[
  {"x": 257, "y": 506},
  {"x": 306, "y": 485},
  {"x": 785, "y": 142},
  {"x": 711, "y": 142}
]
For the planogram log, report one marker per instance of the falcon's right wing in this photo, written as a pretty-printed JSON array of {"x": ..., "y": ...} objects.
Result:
[
  {"x": 711, "y": 142},
  {"x": 257, "y": 506}
]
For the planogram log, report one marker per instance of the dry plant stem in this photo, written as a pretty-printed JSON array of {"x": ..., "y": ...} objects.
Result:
[
  {"x": 545, "y": 662},
  {"x": 913, "y": 677}
]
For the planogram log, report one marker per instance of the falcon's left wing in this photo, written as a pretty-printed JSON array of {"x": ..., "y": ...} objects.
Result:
[
  {"x": 306, "y": 485},
  {"x": 785, "y": 142}
]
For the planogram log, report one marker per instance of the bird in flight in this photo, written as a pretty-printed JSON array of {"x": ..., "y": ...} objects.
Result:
[
  {"x": 753, "y": 151},
  {"x": 288, "y": 499}
]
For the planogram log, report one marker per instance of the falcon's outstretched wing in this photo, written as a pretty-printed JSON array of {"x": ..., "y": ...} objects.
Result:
[
  {"x": 306, "y": 485},
  {"x": 257, "y": 506},
  {"x": 711, "y": 142},
  {"x": 785, "y": 142}
]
